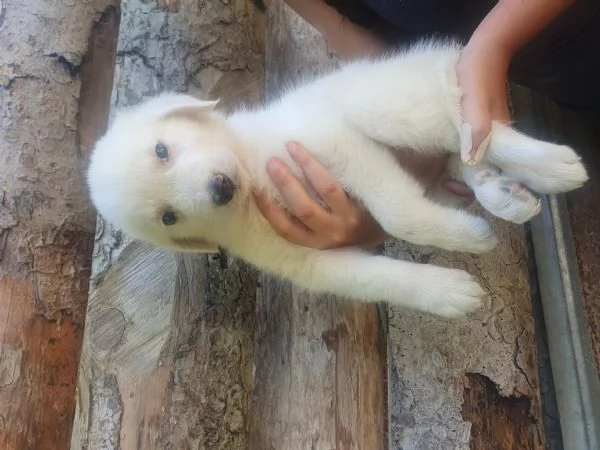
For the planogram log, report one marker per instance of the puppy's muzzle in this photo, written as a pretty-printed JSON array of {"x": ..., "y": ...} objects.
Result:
[{"x": 221, "y": 189}]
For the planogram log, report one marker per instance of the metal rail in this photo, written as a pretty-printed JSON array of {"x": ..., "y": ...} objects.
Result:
[{"x": 576, "y": 383}]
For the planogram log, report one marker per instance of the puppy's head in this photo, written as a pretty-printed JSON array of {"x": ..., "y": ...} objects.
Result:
[{"x": 164, "y": 172}]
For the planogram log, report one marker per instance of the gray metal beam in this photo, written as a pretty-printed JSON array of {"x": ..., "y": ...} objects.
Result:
[{"x": 576, "y": 383}]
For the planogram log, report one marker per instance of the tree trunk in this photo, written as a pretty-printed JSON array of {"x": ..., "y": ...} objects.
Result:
[
  {"x": 167, "y": 356},
  {"x": 321, "y": 362},
  {"x": 55, "y": 76}
]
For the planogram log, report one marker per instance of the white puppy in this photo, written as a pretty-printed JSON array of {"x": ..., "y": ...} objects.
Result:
[{"x": 179, "y": 175}]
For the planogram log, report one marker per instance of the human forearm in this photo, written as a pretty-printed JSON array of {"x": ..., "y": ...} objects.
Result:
[
  {"x": 343, "y": 37},
  {"x": 320, "y": 15},
  {"x": 513, "y": 23},
  {"x": 484, "y": 64}
]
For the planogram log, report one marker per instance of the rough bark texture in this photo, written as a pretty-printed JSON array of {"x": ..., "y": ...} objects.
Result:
[
  {"x": 320, "y": 379},
  {"x": 48, "y": 106},
  {"x": 432, "y": 358},
  {"x": 507, "y": 423},
  {"x": 168, "y": 343}
]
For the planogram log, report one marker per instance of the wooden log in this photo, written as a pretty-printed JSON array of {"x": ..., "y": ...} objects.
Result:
[
  {"x": 445, "y": 374},
  {"x": 167, "y": 351},
  {"x": 473, "y": 382},
  {"x": 56, "y": 70},
  {"x": 321, "y": 362}
]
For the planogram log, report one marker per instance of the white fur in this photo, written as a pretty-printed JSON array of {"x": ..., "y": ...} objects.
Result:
[{"x": 353, "y": 120}]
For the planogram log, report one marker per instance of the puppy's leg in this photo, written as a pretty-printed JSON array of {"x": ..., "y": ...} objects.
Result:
[
  {"x": 406, "y": 102},
  {"x": 397, "y": 201},
  {"x": 363, "y": 277},
  {"x": 544, "y": 167},
  {"x": 407, "y": 105},
  {"x": 421, "y": 221},
  {"x": 501, "y": 195}
]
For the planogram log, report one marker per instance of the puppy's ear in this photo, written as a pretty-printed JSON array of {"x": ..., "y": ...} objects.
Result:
[
  {"x": 195, "y": 245},
  {"x": 191, "y": 111},
  {"x": 165, "y": 105},
  {"x": 179, "y": 105}
]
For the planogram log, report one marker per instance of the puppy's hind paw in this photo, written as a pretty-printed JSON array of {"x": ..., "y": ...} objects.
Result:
[{"x": 506, "y": 198}]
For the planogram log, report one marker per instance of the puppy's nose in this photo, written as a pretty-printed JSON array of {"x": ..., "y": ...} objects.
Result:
[{"x": 221, "y": 189}]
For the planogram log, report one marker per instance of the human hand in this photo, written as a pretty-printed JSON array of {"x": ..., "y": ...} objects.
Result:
[
  {"x": 482, "y": 74},
  {"x": 342, "y": 222}
]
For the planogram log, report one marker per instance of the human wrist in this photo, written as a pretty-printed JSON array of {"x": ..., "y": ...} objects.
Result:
[
  {"x": 511, "y": 24},
  {"x": 491, "y": 49},
  {"x": 324, "y": 18},
  {"x": 353, "y": 41}
]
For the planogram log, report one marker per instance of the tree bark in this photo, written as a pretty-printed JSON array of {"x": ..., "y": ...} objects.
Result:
[
  {"x": 167, "y": 355},
  {"x": 321, "y": 362},
  {"x": 55, "y": 76}
]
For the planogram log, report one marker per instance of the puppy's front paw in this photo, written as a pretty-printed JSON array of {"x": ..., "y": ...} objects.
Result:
[
  {"x": 454, "y": 294},
  {"x": 505, "y": 198}
]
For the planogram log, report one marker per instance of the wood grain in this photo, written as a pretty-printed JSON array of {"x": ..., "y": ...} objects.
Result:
[
  {"x": 48, "y": 108},
  {"x": 320, "y": 362},
  {"x": 167, "y": 354},
  {"x": 497, "y": 422}
]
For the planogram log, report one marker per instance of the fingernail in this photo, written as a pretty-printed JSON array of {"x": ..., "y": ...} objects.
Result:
[
  {"x": 274, "y": 165},
  {"x": 293, "y": 148}
]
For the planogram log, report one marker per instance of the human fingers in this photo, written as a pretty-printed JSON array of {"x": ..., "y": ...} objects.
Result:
[
  {"x": 285, "y": 225},
  {"x": 319, "y": 177},
  {"x": 299, "y": 202}
]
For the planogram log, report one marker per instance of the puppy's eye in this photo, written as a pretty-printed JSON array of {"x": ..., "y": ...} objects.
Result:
[
  {"x": 169, "y": 218},
  {"x": 161, "y": 151}
]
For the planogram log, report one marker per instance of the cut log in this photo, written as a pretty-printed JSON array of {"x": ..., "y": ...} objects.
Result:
[
  {"x": 167, "y": 356},
  {"x": 321, "y": 362},
  {"x": 443, "y": 372},
  {"x": 56, "y": 69}
]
